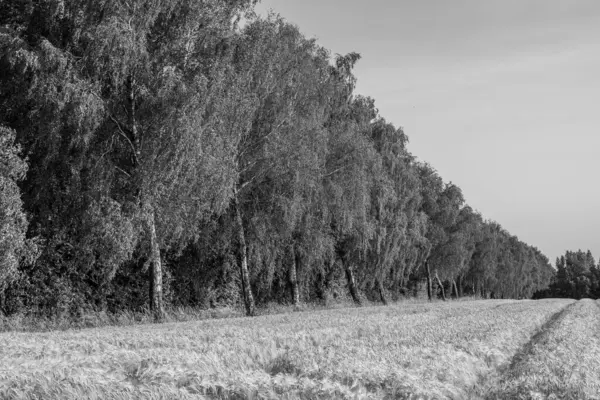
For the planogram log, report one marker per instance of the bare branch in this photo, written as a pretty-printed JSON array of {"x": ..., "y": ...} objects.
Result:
[
  {"x": 120, "y": 128},
  {"x": 335, "y": 171},
  {"x": 126, "y": 173},
  {"x": 249, "y": 181},
  {"x": 122, "y": 133}
]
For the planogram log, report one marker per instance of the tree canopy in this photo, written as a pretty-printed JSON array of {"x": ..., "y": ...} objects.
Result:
[{"x": 158, "y": 154}]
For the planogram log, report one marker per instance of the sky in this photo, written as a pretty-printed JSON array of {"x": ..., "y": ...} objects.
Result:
[{"x": 502, "y": 98}]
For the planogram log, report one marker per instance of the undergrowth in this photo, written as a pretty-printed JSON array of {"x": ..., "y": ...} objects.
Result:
[{"x": 41, "y": 322}]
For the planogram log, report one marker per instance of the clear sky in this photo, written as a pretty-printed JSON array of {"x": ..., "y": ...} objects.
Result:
[{"x": 501, "y": 97}]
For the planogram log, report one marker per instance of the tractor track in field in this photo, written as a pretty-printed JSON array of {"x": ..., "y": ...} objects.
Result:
[
  {"x": 537, "y": 337},
  {"x": 486, "y": 389}
]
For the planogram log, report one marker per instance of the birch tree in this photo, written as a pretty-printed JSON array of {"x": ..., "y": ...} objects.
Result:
[
  {"x": 277, "y": 160},
  {"x": 134, "y": 103}
]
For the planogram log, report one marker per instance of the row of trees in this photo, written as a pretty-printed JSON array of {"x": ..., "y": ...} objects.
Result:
[
  {"x": 164, "y": 153},
  {"x": 577, "y": 276}
]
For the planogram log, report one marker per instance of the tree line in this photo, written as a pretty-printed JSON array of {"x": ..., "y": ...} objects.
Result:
[
  {"x": 186, "y": 153},
  {"x": 577, "y": 276}
]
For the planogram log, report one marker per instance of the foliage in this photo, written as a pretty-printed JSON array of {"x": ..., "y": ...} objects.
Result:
[
  {"x": 179, "y": 157},
  {"x": 13, "y": 222},
  {"x": 577, "y": 276}
]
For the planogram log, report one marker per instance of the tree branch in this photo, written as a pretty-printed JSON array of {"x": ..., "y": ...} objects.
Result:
[
  {"x": 124, "y": 135},
  {"x": 335, "y": 171},
  {"x": 120, "y": 128},
  {"x": 126, "y": 173}
]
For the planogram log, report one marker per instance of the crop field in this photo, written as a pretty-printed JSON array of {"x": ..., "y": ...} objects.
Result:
[{"x": 494, "y": 349}]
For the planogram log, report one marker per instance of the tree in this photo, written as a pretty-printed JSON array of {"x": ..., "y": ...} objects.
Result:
[
  {"x": 456, "y": 253},
  {"x": 277, "y": 159},
  {"x": 134, "y": 108},
  {"x": 441, "y": 203},
  {"x": 393, "y": 198},
  {"x": 351, "y": 160}
]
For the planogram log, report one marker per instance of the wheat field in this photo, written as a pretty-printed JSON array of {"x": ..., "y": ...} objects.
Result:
[{"x": 455, "y": 350}]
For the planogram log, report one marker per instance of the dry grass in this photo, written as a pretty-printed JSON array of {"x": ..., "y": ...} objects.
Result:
[{"x": 442, "y": 350}]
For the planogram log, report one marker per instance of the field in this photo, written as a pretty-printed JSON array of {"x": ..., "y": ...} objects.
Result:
[{"x": 459, "y": 350}]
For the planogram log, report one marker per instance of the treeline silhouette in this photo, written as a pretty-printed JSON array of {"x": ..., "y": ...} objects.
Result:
[{"x": 186, "y": 153}]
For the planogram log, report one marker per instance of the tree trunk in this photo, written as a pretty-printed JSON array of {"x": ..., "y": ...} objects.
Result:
[
  {"x": 135, "y": 137},
  {"x": 327, "y": 277},
  {"x": 150, "y": 286},
  {"x": 243, "y": 261},
  {"x": 156, "y": 285},
  {"x": 401, "y": 283},
  {"x": 439, "y": 282},
  {"x": 456, "y": 295},
  {"x": 429, "y": 288},
  {"x": 3, "y": 303},
  {"x": 294, "y": 277},
  {"x": 460, "y": 287},
  {"x": 382, "y": 293},
  {"x": 352, "y": 283},
  {"x": 321, "y": 286}
]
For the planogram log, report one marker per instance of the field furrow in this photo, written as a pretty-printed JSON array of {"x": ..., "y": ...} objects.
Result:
[
  {"x": 442, "y": 350},
  {"x": 562, "y": 361}
]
